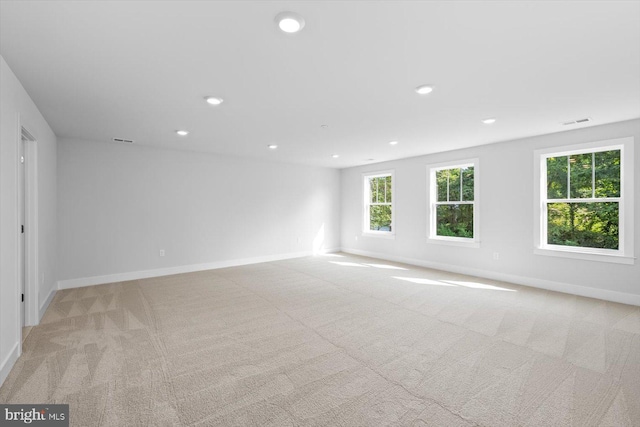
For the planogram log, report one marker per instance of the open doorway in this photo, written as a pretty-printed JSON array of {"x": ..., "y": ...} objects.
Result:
[
  {"x": 22, "y": 244},
  {"x": 27, "y": 229}
]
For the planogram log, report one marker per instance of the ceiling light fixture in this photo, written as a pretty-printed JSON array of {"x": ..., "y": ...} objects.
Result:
[
  {"x": 272, "y": 146},
  {"x": 424, "y": 89},
  {"x": 335, "y": 156},
  {"x": 182, "y": 132},
  {"x": 290, "y": 22},
  {"x": 489, "y": 121},
  {"x": 214, "y": 100},
  {"x": 393, "y": 142}
]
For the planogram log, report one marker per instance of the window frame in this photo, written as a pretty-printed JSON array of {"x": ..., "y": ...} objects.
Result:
[
  {"x": 432, "y": 203},
  {"x": 366, "y": 198},
  {"x": 625, "y": 252}
]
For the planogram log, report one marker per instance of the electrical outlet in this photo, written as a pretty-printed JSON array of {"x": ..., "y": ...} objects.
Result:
[
  {"x": 161, "y": 252},
  {"x": 356, "y": 238},
  {"x": 496, "y": 256}
]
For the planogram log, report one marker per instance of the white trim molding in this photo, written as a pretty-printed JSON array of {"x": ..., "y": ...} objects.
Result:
[
  {"x": 9, "y": 361},
  {"x": 567, "y": 288},
  {"x": 146, "y": 274},
  {"x": 45, "y": 304}
]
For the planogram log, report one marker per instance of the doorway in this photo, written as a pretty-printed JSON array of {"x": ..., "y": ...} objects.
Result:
[
  {"x": 22, "y": 244},
  {"x": 27, "y": 232}
]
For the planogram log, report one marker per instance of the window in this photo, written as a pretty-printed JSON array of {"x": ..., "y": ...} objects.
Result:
[
  {"x": 453, "y": 196},
  {"x": 584, "y": 198},
  {"x": 378, "y": 204}
]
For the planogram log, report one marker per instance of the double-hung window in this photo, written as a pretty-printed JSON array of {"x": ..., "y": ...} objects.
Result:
[
  {"x": 378, "y": 204},
  {"x": 585, "y": 201},
  {"x": 453, "y": 198}
]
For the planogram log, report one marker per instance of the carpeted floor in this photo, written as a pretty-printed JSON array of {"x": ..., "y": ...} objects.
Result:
[{"x": 331, "y": 340}]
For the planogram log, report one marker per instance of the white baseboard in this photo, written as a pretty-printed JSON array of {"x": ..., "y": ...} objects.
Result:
[
  {"x": 45, "y": 304},
  {"x": 567, "y": 288},
  {"x": 135, "y": 275},
  {"x": 8, "y": 362}
]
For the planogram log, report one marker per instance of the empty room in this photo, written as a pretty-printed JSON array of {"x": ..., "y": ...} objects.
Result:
[{"x": 320, "y": 213}]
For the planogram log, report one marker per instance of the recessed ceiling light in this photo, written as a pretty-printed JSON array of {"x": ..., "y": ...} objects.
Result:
[
  {"x": 424, "y": 89},
  {"x": 290, "y": 22},
  {"x": 393, "y": 142},
  {"x": 213, "y": 100},
  {"x": 182, "y": 132},
  {"x": 335, "y": 156},
  {"x": 272, "y": 146},
  {"x": 489, "y": 121}
]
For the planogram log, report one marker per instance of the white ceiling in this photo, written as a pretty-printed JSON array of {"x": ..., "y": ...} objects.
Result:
[{"x": 140, "y": 70}]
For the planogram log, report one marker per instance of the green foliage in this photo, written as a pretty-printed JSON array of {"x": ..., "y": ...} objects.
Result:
[
  {"x": 380, "y": 217},
  {"x": 455, "y": 185},
  {"x": 468, "y": 184},
  {"x": 380, "y": 214},
  {"x": 557, "y": 177},
  {"x": 449, "y": 183},
  {"x": 587, "y": 225},
  {"x": 454, "y": 220},
  {"x": 380, "y": 189},
  {"x": 590, "y": 225},
  {"x": 442, "y": 179},
  {"x": 581, "y": 176},
  {"x": 607, "y": 173}
]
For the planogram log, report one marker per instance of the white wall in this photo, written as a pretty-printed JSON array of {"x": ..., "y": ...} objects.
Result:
[
  {"x": 506, "y": 219},
  {"x": 119, "y": 205},
  {"x": 16, "y": 110}
]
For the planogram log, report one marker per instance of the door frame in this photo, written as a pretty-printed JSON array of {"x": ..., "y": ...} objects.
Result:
[{"x": 30, "y": 273}]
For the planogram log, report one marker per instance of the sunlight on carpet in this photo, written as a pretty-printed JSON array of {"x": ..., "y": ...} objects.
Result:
[{"x": 318, "y": 341}]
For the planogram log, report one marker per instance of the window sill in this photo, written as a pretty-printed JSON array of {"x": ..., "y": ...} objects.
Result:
[
  {"x": 379, "y": 234},
  {"x": 466, "y": 243},
  {"x": 616, "y": 259}
]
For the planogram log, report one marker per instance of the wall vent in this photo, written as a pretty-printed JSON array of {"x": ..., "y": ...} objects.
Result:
[
  {"x": 122, "y": 140},
  {"x": 575, "y": 122}
]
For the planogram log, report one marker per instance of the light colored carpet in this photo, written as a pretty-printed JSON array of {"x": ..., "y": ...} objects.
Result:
[{"x": 332, "y": 340}]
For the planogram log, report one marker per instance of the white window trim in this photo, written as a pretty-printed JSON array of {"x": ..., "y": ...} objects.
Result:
[
  {"x": 625, "y": 253},
  {"x": 365, "y": 205},
  {"x": 432, "y": 195}
]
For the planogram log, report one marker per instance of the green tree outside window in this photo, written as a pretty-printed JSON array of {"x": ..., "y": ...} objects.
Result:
[
  {"x": 380, "y": 203},
  {"x": 583, "y": 206},
  {"x": 454, "y": 204}
]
